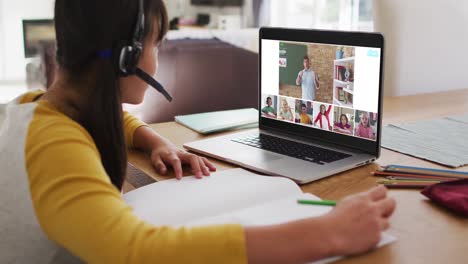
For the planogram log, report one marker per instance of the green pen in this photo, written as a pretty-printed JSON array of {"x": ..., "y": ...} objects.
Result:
[{"x": 317, "y": 202}]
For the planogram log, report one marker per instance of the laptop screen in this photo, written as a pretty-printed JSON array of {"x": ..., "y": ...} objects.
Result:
[
  {"x": 328, "y": 87},
  {"x": 333, "y": 88}
]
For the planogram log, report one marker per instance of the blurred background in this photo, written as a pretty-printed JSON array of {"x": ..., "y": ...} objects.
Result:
[
  {"x": 25, "y": 25},
  {"x": 425, "y": 42}
]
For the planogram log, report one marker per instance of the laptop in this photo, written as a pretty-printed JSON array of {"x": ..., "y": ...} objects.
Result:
[{"x": 320, "y": 102}]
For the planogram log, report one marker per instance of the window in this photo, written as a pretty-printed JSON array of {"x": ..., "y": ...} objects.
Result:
[{"x": 323, "y": 14}]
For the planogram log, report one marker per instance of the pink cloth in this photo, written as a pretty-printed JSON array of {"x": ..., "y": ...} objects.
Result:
[
  {"x": 364, "y": 132},
  {"x": 452, "y": 195}
]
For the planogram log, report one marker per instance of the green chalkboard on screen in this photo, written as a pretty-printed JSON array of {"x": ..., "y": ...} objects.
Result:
[{"x": 292, "y": 58}]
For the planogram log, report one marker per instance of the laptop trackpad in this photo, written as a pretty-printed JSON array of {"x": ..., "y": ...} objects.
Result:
[{"x": 258, "y": 157}]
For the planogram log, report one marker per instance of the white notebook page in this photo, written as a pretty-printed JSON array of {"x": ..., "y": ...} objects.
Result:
[{"x": 174, "y": 202}]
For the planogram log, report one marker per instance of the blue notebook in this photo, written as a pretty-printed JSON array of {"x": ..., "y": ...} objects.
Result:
[{"x": 211, "y": 122}]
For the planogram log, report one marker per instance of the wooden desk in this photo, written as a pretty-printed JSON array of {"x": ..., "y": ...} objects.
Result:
[{"x": 426, "y": 233}]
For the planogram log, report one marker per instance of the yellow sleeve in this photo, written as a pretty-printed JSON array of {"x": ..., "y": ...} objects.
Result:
[
  {"x": 78, "y": 207},
  {"x": 131, "y": 124}
]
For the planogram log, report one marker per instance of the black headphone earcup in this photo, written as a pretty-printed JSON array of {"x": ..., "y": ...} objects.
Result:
[
  {"x": 135, "y": 58},
  {"x": 128, "y": 60},
  {"x": 122, "y": 61}
]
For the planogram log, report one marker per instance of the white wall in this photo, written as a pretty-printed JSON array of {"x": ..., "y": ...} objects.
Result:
[
  {"x": 426, "y": 45},
  {"x": 2, "y": 50},
  {"x": 183, "y": 8},
  {"x": 12, "y": 12}
]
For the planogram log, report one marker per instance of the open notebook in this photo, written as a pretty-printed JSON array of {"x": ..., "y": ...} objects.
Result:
[{"x": 229, "y": 196}]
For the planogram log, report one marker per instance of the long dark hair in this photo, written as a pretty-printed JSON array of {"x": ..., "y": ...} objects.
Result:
[{"x": 84, "y": 28}]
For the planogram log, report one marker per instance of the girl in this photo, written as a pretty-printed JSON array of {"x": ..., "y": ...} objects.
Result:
[
  {"x": 364, "y": 129},
  {"x": 63, "y": 163},
  {"x": 285, "y": 112},
  {"x": 343, "y": 126},
  {"x": 323, "y": 118}
]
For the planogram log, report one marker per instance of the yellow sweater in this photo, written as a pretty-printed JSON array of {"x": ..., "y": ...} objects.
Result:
[{"x": 77, "y": 206}]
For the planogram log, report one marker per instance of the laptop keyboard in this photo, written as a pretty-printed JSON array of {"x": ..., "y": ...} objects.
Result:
[{"x": 292, "y": 148}]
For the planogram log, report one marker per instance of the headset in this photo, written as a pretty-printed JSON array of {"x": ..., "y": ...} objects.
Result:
[{"x": 130, "y": 54}]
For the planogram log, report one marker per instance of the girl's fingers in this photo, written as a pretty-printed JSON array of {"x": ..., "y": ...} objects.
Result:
[
  {"x": 387, "y": 207},
  {"x": 159, "y": 165},
  {"x": 176, "y": 164},
  {"x": 208, "y": 163},
  {"x": 377, "y": 193},
  {"x": 200, "y": 166},
  {"x": 194, "y": 162},
  {"x": 204, "y": 169}
]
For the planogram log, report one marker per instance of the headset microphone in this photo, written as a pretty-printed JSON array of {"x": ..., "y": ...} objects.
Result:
[
  {"x": 130, "y": 54},
  {"x": 153, "y": 83}
]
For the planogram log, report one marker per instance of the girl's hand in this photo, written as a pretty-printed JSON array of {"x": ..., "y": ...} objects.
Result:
[
  {"x": 167, "y": 154},
  {"x": 354, "y": 226},
  {"x": 357, "y": 221}
]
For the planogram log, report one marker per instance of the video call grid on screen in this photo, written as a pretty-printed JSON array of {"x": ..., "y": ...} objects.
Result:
[{"x": 330, "y": 87}]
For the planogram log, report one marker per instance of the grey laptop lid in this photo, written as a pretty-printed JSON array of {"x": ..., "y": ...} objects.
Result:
[{"x": 322, "y": 85}]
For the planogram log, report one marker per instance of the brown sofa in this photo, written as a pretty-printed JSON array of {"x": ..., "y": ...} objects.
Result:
[{"x": 202, "y": 75}]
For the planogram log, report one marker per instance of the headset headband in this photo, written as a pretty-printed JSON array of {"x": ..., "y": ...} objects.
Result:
[
  {"x": 137, "y": 48},
  {"x": 140, "y": 24}
]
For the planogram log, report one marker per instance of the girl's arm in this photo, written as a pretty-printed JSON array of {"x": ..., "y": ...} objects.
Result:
[
  {"x": 328, "y": 110},
  {"x": 78, "y": 207},
  {"x": 347, "y": 131},
  {"x": 317, "y": 118},
  {"x": 164, "y": 153},
  {"x": 130, "y": 124}
]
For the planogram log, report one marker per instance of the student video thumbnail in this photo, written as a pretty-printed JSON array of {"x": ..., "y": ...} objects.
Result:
[
  {"x": 286, "y": 109},
  {"x": 323, "y": 116},
  {"x": 343, "y": 122},
  {"x": 304, "y": 112},
  {"x": 269, "y": 106},
  {"x": 366, "y": 125}
]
